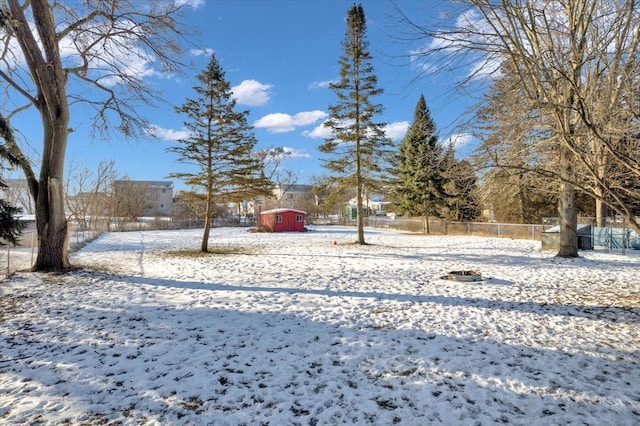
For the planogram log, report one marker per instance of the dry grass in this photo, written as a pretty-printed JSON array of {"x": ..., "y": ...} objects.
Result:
[{"x": 197, "y": 254}]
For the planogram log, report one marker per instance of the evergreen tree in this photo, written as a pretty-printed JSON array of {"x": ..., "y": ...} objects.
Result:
[
  {"x": 220, "y": 145},
  {"x": 358, "y": 150},
  {"x": 462, "y": 202},
  {"x": 420, "y": 163},
  {"x": 10, "y": 226}
]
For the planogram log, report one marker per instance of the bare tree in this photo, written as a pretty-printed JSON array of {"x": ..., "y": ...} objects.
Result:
[
  {"x": 577, "y": 63},
  {"x": 190, "y": 205},
  {"x": 518, "y": 183},
  {"x": 17, "y": 191},
  {"x": 87, "y": 192},
  {"x": 113, "y": 43},
  {"x": 129, "y": 199},
  {"x": 283, "y": 179}
]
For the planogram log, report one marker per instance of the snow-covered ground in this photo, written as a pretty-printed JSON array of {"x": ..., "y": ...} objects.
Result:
[{"x": 285, "y": 329}]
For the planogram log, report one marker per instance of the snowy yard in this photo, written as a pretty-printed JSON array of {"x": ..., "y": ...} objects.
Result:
[{"x": 285, "y": 329}]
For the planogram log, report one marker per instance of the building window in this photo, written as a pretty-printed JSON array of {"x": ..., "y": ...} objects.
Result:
[
  {"x": 299, "y": 218},
  {"x": 161, "y": 206},
  {"x": 278, "y": 218},
  {"x": 164, "y": 191}
]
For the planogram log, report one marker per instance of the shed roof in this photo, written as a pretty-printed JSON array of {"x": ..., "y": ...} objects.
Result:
[
  {"x": 580, "y": 227},
  {"x": 282, "y": 210}
]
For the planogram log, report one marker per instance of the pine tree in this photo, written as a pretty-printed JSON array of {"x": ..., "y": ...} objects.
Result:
[
  {"x": 462, "y": 202},
  {"x": 10, "y": 226},
  {"x": 358, "y": 149},
  {"x": 420, "y": 166},
  {"x": 220, "y": 145}
]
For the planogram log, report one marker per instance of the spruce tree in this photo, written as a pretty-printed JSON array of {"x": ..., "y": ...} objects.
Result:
[
  {"x": 461, "y": 190},
  {"x": 10, "y": 225},
  {"x": 220, "y": 145},
  {"x": 420, "y": 164},
  {"x": 358, "y": 150}
]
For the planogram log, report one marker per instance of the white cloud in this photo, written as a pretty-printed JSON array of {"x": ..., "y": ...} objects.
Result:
[
  {"x": 321, "y": 84},
  {"x": 486, "y": 67},
  {"x": 397, "y": 130},
  {"x": 295, "y": 153},
  {"x": 111, "y": 61},
  {"x": 201, "y": 52},
  {"x": 282, "y": 123},
  {"x": 309, "y": 117},
  {"x": 252, "y": 93},
  {"x": 167, "y": 134},
  {"x": 458, "y": 49},
  {"x": 116, "y": 59},
  {"x": 459, "y": 140},
  {"x": 191, "y": 3},
  {"x": 319, "y": 132}
]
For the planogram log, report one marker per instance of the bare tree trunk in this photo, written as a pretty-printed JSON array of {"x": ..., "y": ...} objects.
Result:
[
  {"x": 359, "y": 215},
  {"x": 425, "y": 225},
  {"x": 204, "y": 247},
  {"x": 51, "y": 221},
  {"x": 600, "y": 208},
  {"x": 47, "y": 71},
  {"x": 567, "y": 207},
  {"x": 359, "y": 218}
]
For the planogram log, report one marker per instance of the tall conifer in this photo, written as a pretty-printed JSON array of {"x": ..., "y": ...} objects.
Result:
[
  {"x": 358, "y": 150},
  {"x": 420, "y": 167},
  {"x": 220, "y": 145}
]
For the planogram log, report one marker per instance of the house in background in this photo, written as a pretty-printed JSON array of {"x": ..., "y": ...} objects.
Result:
[
  {"x": 373, "y": 205},
  {"x": 283, "y": 220},
  {"x": 288, "y": 196}
]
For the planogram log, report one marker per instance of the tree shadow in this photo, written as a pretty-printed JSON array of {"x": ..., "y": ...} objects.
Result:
[
  {"x": 610, "y": 313},
  {"x": 174, "y": 363}
]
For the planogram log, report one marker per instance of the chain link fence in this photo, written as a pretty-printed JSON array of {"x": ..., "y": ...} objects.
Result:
[
  {"x": 22, "y": 257},
  {"x": 615, "y": 235},
  {"x": 441, "y": 227}
]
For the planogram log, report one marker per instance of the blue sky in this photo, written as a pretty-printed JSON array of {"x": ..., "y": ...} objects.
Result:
[{"x": 279, "y": 56}]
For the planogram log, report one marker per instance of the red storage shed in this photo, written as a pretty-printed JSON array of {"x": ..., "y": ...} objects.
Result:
[{"x": 283, "y": 220}]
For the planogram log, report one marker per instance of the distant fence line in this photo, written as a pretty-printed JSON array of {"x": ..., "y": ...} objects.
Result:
[
  {"x": 614, "y": 235},
  {"x": 22, "y": 257},
  {"x": 442, "y": 227}
]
